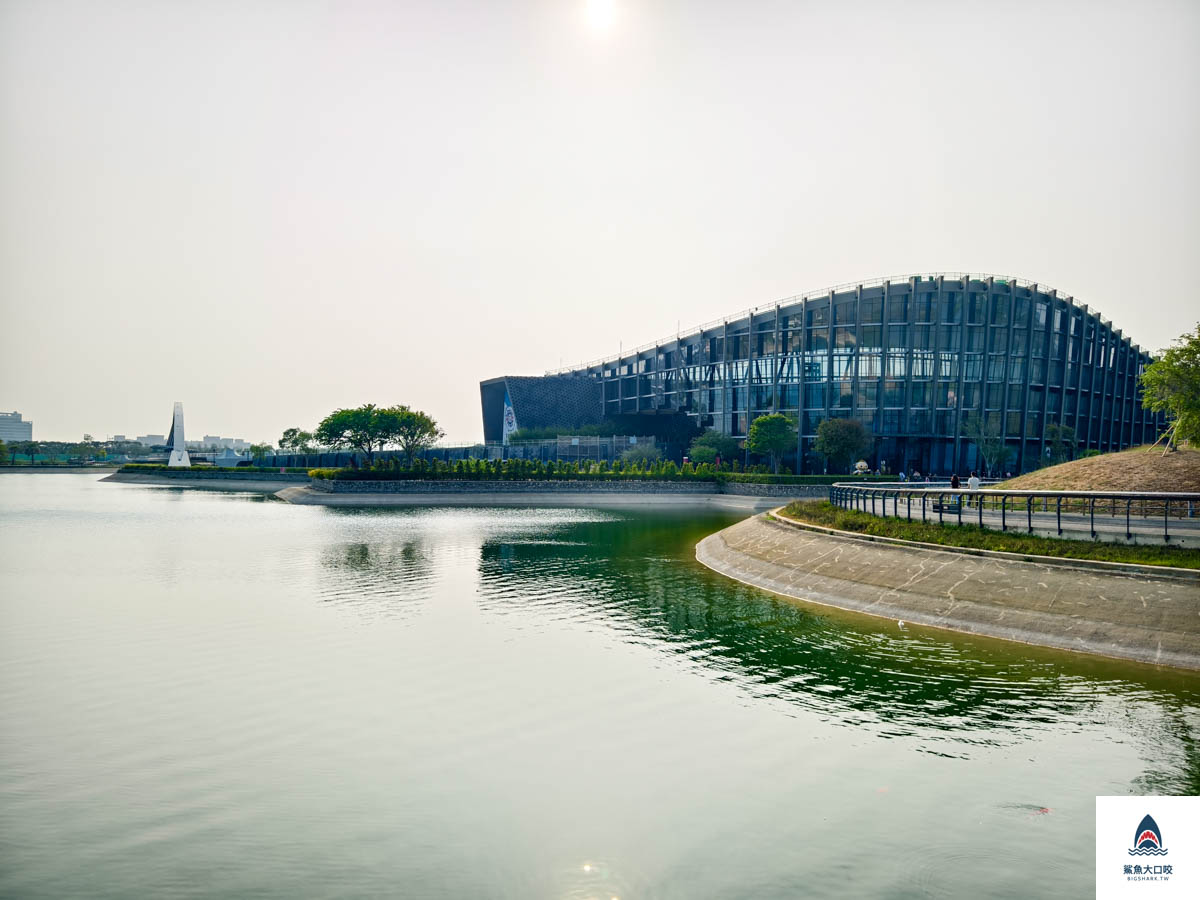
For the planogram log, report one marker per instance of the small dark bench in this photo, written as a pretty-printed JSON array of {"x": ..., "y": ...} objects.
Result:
[{"x": 954, "y": 506}]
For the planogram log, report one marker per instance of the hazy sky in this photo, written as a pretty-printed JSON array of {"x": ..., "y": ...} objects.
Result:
[{"x": 270, "y": 209}]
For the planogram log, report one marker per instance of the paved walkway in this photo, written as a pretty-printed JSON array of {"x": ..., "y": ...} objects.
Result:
[
  {"x": 1183, "y": 532},
  {"x": 1150, "y": 618}
]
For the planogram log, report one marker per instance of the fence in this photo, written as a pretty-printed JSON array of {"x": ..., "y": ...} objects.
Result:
[{"x": 990, "y": 507}]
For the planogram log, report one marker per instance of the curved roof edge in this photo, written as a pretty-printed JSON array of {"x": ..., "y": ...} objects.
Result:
[{"x": 825, "y": 292}]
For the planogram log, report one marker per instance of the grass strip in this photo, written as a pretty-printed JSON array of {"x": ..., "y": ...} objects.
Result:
[{"x": 829, "y": 516}]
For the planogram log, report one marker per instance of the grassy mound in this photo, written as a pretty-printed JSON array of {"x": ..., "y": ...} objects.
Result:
[{"x": 1139, "y": 469}]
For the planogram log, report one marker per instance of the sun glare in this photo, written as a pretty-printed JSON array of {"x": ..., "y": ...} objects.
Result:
[{"x": 600, "y": 13}]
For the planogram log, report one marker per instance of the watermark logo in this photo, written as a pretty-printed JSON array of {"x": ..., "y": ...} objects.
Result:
[
  {"x": 1159, "y": 861},
  {"x": 1147, "y": 839}
]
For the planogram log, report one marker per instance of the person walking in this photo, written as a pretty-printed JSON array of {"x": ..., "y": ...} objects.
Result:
[
  {"x": 955, "y": 484},
  {"x": 973, "y": 485}
]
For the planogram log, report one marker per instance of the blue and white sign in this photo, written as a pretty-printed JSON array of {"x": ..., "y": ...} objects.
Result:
[{"x": 510, "y": 418}]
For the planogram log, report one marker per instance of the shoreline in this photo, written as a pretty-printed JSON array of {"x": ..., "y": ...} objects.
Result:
[
  {"x": 306, "y": 496},
  {"x": 240, "y": 485},
  {"x": 1149, "y": 618}
]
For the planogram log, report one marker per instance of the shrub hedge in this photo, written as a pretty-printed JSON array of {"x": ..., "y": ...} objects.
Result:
[
  {"x": 246, "y": 470},
  {"x": 536, "y": 470}
]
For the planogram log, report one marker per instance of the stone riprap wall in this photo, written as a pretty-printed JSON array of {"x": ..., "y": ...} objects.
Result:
[
  {"x": 793, "y": 491},
  {"x": 343, "y": 486}
]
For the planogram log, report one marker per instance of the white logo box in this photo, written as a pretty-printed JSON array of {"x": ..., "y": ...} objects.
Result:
[{"x": 1171, "y": 874}]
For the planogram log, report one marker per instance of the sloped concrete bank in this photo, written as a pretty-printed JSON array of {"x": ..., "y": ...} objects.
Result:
[
  {"x": 1152, "y": 618},
  {"x": 262, "y": 483}
]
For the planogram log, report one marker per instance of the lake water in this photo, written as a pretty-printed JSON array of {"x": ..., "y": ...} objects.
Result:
[{"x": 221, "y": 695}]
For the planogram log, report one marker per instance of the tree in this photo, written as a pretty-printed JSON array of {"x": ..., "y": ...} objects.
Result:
[
  {"x": 260, "y": 451},
  {"x": 365, "y": 429},
  {"x": 3, "y": 453},
  {"x": 415, "y": 431},
  {"x": 1171, "y": 384},
  {"x": 297, "y": 441},
  {"x": 840, "y": 440},
  {"x": 721, "y": 445},
  {"x": 772, "y": 435},
  {"x": 988, "y": 437},
  {"x": 1060, "y": 442}
]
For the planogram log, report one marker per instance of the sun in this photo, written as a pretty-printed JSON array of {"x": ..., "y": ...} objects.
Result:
[{"x": 600, "y": 14}]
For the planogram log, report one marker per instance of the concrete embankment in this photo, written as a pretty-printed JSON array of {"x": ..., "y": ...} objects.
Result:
[
  {"x": 1127, "y": 614},
  {"x": 257, "y": 482}
]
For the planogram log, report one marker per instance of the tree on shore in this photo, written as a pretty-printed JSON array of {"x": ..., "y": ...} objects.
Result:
[
  {"x": 711, "y": 446},
  {"x": 772, "y": 435},
  {"x": 988, "y": 437},
  {"x": 415, "y": 431},
  {"x": 369, "y": 429},
  {"x": 3, "y": 453},
  {"x": 1171, "y": 384},
  {"x": 260, "y": 451},
  {"x": 840, "y": 440},
  {"x": 297, "y": 440}
]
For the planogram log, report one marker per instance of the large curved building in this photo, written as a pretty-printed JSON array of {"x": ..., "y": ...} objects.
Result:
[{"x": 910, "y": 358}]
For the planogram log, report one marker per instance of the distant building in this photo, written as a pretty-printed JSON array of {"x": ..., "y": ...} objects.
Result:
[
  {"x": 910, "y": 359},
  {"x": 13, "y": 428},
  {"x": 151, "y": 440},
  {"x": 118, "y": 438}
]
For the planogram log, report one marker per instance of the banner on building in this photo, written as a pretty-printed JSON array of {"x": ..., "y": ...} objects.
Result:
[{"x": 510, "y": 418}]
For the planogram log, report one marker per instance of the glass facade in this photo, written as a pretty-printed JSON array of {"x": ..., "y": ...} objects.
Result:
[{"x": 910, "y": 360}]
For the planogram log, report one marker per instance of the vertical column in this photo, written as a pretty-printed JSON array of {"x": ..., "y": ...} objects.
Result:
[
  {"x": 800, "y": 464},
  {"x": 775, "y": 358},
  {"x": 724, "y": 364},
  {"x": 1028, "y": 375}
]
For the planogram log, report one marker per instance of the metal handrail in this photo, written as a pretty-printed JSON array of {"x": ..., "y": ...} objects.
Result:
[
  {"x": 854, "y": 496},
  {"x": 750, "y": 312}
]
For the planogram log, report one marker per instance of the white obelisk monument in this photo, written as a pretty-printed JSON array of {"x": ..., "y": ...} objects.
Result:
[{"x": 179, "y": 454}]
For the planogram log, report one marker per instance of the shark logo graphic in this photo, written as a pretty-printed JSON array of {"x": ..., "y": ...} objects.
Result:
[{"x": 1147, "y": 840}]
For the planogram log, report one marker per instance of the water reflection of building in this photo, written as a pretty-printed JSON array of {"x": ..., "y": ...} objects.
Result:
[{"x": 629, "y": 575}]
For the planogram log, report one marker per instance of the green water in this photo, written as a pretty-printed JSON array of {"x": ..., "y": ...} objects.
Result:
[{"x": 207, "y": 694}]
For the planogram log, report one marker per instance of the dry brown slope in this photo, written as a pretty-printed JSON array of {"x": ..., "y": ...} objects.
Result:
[{"x": 1139, "y": 469}]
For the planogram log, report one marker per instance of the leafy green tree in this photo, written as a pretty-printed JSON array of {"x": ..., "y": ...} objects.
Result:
[
  {"x": 701, "y": 454},
  {"x": 260, "y": 451},
  {"x": 414, "y": 430},
  {"x": 366, "y": 429},
  {"x": 988, "y": 437},
  {"x": 297, "y": 441},
  {"x": 1060, "y": 442},
  {"x": 772, "y": 435},
  {"x": 1171, "y": 384},
  {"x": 3, "y": 453},
  {"x": 841, "y": 440},
  {"x": 721, "y": 444}
]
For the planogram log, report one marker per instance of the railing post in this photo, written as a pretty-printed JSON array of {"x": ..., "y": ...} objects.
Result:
[
  {"x": 979, "y": 503},
  {"x": 1029, "y": 513},
  {"x": 1128, "y": 531},
  {"x": 1003, "y": 519},
  {"x": 922, "y": 506},
  {"x": 1166, "y": 520},
  {"x": 960, "y": 509},
  {"x": 1058, "y": 510},
  {"x": 909, "y": 507},
  {"x": 1093, "y": 513},
  {"x": 941, "y": 508}
]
